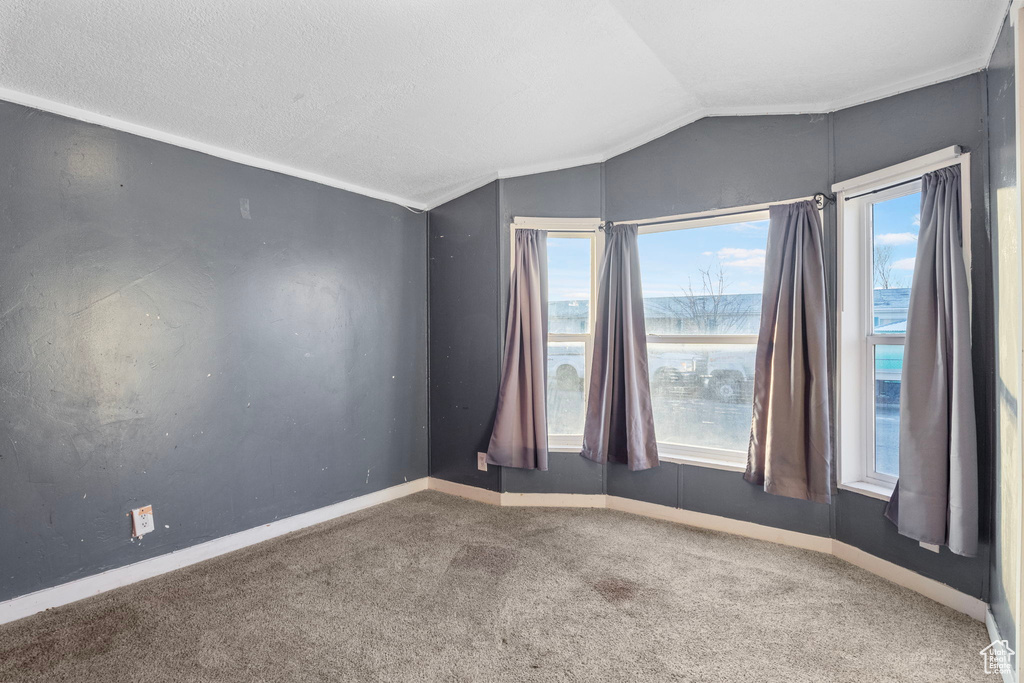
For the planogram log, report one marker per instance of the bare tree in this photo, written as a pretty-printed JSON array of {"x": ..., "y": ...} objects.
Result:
[
  {"x": 711, "y": 310},
  {"x": 883, "y": 266}
]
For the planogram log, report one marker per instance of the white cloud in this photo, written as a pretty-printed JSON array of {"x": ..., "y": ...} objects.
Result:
[
  {"x": 896, "y": 239},
  {"x": 754, "y": 262},
  {"x": 707, "y": 253},
  {"x": 733, "y": 252},
  {"x": 742, "y": 258},
  {"x": 917, "y": 220},
  {"x": 904, "y": 263}
]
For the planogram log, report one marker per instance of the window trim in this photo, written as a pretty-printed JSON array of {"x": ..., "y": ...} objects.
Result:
[
  {"x": 855, "y": 341},
  {"x": 572, "y": 228},
  {"x": 703, "y": 456}
]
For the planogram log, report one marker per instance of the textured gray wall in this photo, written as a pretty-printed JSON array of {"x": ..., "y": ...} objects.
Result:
[
  {"x": 465, "y": 334},
  {"x": 734, "y": 161},
  {"x": 720, "y": 162},
  {"x": 886, "y": 132},
  {"x": 158, "y": 347},
  {"x": 1003, "y": 201}
]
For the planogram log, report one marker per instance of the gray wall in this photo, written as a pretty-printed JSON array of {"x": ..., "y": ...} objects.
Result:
[
  {"x": 158, "y": 347},
  {"x": 735, "y": 161},
  {"x": 877, "y": 135},
  {"x": 716, "y": 163},
  {"x": 1002, "y": 205},
  {"x": 465, "y": 332}
]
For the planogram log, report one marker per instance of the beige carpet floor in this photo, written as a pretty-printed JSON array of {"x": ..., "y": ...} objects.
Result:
[{"x": 436, "y": 588}]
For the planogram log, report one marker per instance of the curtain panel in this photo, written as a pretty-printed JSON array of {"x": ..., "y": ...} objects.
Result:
[
  {"x": 790, "y": 435},
  {"x": 936, "y": 497},
  {"x": 520, "y": 434},
  {"x": 620, "y": 420}
]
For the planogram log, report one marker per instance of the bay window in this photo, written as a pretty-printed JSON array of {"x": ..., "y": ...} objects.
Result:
[{"x": 702, "y": 283}]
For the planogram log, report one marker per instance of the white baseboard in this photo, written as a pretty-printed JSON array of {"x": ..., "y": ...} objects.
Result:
[
  {"x": 463, "y": 491},
  {"x": 703, "y": 520},
  {"x": 560, "y": 500},
  {"x": 63, "y": 594},
  {"x": 26, "y": 605},
  {"x": 993, "y": 636},
  {"x": 930, "y": 588}
]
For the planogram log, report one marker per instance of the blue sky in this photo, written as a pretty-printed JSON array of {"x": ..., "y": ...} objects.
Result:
[
  {"x": 568, "y": 269},
  {"x": 670, "y": 261},
  {"x": 896, "y": 224}
]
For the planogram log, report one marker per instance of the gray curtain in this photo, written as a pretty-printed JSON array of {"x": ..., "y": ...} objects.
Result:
[
  {"x": 936, "y": 498},
  {"x": 520, "y": 435},
  {"x": 620, "y": 422},
  {"x": 790, "y": 431}
]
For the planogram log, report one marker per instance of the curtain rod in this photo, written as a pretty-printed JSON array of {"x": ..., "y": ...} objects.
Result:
[
  {"x": 820, "y": 199},
  {"x": 883, "y": 189},
  {"x": 702, "y": 217}
]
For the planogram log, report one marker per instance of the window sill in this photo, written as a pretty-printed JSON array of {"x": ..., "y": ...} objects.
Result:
[
  {"x": 564, "y": 445},
  {"x": 666, "y": 453},
  {"x": 869, "y": 489},
  {"x": 711, "y": 463}
]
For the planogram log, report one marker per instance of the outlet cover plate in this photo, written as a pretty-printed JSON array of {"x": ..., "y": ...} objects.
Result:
[
  {"x": 481, "y": 462},
  {"x": 142, "y": 521}
]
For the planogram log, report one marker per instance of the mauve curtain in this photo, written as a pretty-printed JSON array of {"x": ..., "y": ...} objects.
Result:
[
  {"x": 520, "y": 435},
  {"x": 790, "y": 430},
  {"x": 620, "y": 422},
  {"x": 936, "y": 498}
]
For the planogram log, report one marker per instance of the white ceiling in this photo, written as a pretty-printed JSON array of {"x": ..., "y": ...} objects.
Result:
[{"x": 417, "y": 101}]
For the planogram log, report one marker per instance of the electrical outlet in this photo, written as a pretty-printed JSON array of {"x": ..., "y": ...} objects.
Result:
[
  {"x": 481, "y": 462},
  {"x": 142, "y": 521}
]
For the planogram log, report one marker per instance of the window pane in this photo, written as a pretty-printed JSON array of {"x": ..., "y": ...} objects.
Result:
[
  {"x": 888, "y": 369},
  {"x": 702, "y": 394},
  {"x": 704, "y": 280},
  {"x": 568, "y": 285},
  {"x": 566, "y": 362},
  {"x": 895, "y": 224}
]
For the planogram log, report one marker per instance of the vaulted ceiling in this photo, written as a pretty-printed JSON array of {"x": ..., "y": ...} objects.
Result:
[{"x": 416, "y": 101}]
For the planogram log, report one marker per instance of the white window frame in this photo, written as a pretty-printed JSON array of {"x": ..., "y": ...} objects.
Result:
[
  {"x": 573, "y": 228},
  {"x": 717, "y": 458},
  {"x": 855, "y": 329}
]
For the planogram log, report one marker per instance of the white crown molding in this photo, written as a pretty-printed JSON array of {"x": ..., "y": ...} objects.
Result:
[
  {"x": 460, "y": 190},
  {"x": 63, "y": 594},
  {"x": 87, "y": 116},
  {"x": 943, "y": 75},
  {"x": 630, "y": 143}
]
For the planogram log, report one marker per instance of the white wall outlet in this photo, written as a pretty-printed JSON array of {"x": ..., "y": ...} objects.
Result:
[
  {"x": 481, "y": 462},
  {"x": 142, "y": 521}
]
